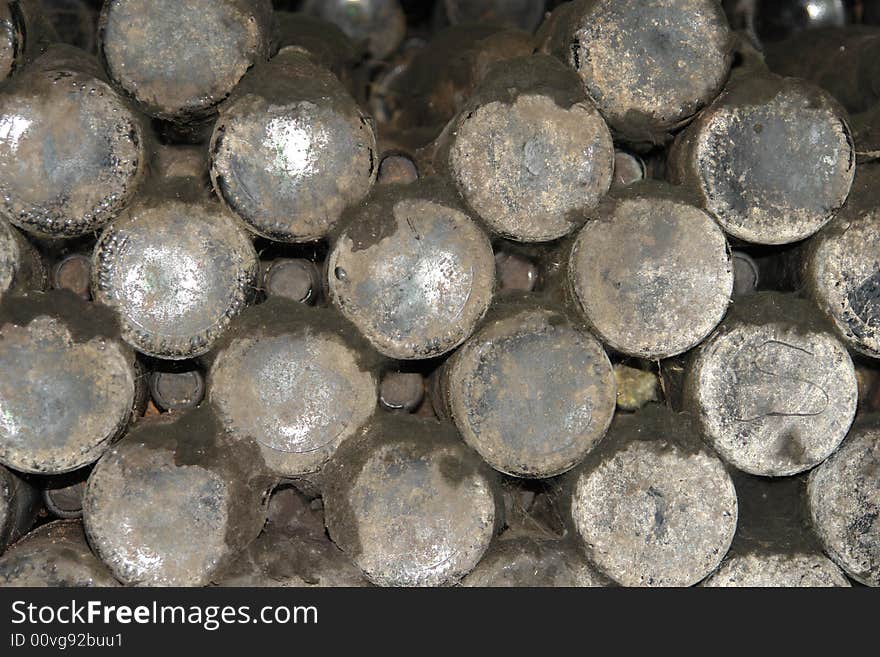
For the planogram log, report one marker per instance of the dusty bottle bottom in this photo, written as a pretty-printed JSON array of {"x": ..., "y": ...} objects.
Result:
[
  {"x": 673, "y": 504},
  {"x": 409, "y": 504},
  {"x": 55, "y": 555},
  {"x": 412, "y": 270},
  {"x": 173, "y": 472},
  {"x": 842, "y": 495},
  {"x": 78, "y": 384},
  {"x": 557, "y": 401},
  {"x": 646, "y": 86},
  {"x": 668, "y": 288},
  {"x": 149, "y": 48},
  {"x": 774, "y": 391}
]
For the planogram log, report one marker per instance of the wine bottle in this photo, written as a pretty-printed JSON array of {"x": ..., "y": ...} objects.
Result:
[
  {"x": 296, "y": 279},
  {"x": 383, "y": 98},
  {"x": 755, "y": 173},
  {"x": 531, "y": 391},
  {"x": 409, "y": 503},
  {"x": 841, "y": 270},
  {"x": 397, "y": 168},
  {"x": 412, "y": 270},
  {"x": 628, "y": 168},
  {"x": 179, "y": 60},
  {"x": 773, "y": 390},
  {"x": 75, "y": 387},
  {"x": 173, "y": 478},
  {"x": 295, "y": 379},
  {"x": 652, "y": 505},
  {"x": 72, "y": 152},
  {"x": 671, "y": 285},
  {"x": 516, "y": 271},
  {"x": 174, "y": 266},
  {"x": 19, "y": 504},
  {"x": 291, "y": 150},
  {"x": 746, "y": 273},
  {"x": 529, "y": 152},
  {"x": 648, "y": 67},
  {"x": 54, "y": 555}
]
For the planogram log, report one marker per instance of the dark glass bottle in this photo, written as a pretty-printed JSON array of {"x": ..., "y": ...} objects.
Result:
[
  {"x": 74, "y": 272},
  {"x": 628, "y": 168},
  {"x": 292, "y": 149},
  {"x": 179, "y": 60},
  {"x": 411, "y": 270},
  {"x": 402, "y": 391},
  {"x": 175, "y": 501},
  {"x": 75, "y": 387},
  {"x": 397, "y": 168},
  {"x": 528, "y": 151},
  {"x": 649, "y": 67},
  {"x": 670, "y": 285},
  {"x": 409, "y": 503},
  {"x": 72, "y": 152},
  {"x": 746, "y": 273},
  {"x": 773, "y": 390}
]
